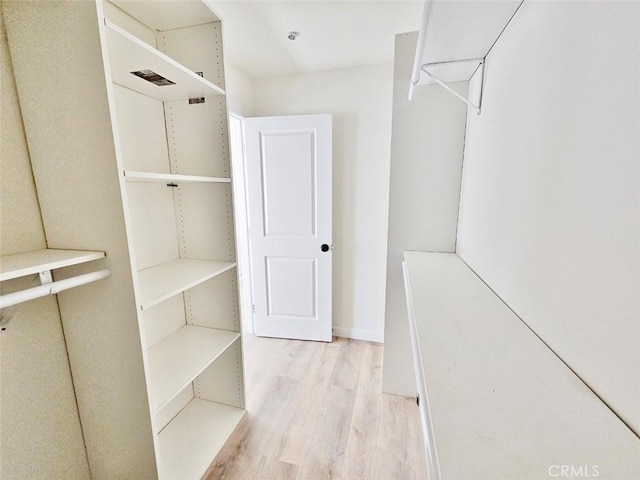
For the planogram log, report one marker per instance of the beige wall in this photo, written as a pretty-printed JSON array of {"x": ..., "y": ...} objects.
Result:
[
  {"x": 40, "y": 435},
  {"x": 549, "y": 214},
  {"x": 240, "y": 96}
]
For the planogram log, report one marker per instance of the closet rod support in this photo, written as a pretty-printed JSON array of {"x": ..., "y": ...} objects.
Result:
[
  {"x": 52, "y": 288},
  {"x": 475, "y": 107},
  {"x": 445, "y": 62},
  {"x": 45, "y": 277}
]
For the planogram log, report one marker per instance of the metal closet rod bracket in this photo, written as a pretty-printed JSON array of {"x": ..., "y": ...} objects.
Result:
[{"x": 475, "y": 106}]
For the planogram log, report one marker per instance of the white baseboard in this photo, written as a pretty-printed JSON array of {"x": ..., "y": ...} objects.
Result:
[{"x": 368, "y": 335}]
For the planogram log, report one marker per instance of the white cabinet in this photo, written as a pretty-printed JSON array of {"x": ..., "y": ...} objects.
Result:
[{"x": 126, "y": 118}]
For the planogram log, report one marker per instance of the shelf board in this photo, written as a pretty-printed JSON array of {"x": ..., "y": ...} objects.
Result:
[
  {"x": 450, "y": 72},
  {"x": 193, "y": 438},
  {"x": 163, "y": 281},
  {"x": 129, "y": 54},
  {"x": 21, "y": 264},
  {"x": 132, "y": 176},
  {"x": 482, "y": 367},
  {"x": 178, "y": 359},
  {"x": 461, "y": 31},
  {"x": 165, "y": 16}
]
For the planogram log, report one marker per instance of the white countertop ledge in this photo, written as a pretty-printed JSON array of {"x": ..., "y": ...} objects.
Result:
[{"x": 503, "y": 405}]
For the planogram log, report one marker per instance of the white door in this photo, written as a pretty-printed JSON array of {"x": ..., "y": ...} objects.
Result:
[{"x": 289, "y": 196}]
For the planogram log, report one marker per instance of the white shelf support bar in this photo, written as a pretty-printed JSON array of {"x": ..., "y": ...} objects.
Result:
[
  {"x": 476, "y": 107},
  {"x": 51, "y": 288}
]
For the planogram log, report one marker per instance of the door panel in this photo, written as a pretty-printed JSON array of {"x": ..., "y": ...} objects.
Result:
[
  {"x": 291, "y": 287},
  {"x": 288, "y": 173},
  {"x": 289, "y": 193}
]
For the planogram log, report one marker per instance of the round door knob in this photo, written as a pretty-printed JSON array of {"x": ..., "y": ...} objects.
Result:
[{"x": 324, "y": 247}]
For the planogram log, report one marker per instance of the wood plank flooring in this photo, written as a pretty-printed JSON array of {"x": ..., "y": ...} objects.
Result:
[{"x": 317, "y": 411}]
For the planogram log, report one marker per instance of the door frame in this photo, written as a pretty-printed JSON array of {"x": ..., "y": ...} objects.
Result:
[{"x": 241, "y": 214}]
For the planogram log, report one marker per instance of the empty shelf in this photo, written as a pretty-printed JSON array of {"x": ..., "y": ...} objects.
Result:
[
  {"x": 128, "y": 54},
  {"x": 168, "y": 279},
  {"x": 190, "y": 441},
  {"x": 494, "y": 387},
  {"x": 21, "y": 264},
  {"x": 131, "y": 176},
  {"x": 178, "y": 359},
  {"x": 454, "y": 36}
]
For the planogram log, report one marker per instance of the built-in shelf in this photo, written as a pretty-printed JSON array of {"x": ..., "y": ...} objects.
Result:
[
  {"x": 129, "y": 54},
  {"x": 22, "y": 264},
  {"x": 161, "y": 282},
  {"x": 132, "y": 176},
  {"x": 479, "y": 367},
  {"x": 187, "y": 441},
  {"x": 443, "y": 55},
  {"x": 178, "y": 359}
]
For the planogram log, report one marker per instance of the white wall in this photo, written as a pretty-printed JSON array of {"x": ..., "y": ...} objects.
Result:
[
  {"x": 549, "y": 214},
  {"x": 40, "y": 435},
  {"x": 426, "y": 158},
  {"x": 360, "y": 101}
]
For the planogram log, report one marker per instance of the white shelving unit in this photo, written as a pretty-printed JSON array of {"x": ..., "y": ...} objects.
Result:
[
  {"x": 176, "y": 185},
  {"x": 156, "y": 354}
]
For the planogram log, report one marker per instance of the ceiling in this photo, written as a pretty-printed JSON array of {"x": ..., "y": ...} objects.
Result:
[{"x": 333, "y": 33}]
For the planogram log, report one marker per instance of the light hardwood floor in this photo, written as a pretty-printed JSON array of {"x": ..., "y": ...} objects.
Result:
[{"x": 316, "y": 411}]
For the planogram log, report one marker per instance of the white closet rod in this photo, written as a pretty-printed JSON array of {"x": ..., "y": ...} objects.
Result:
[
  {"x": 422, "y": 40},
  {"x": 51, "y": 288}
]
